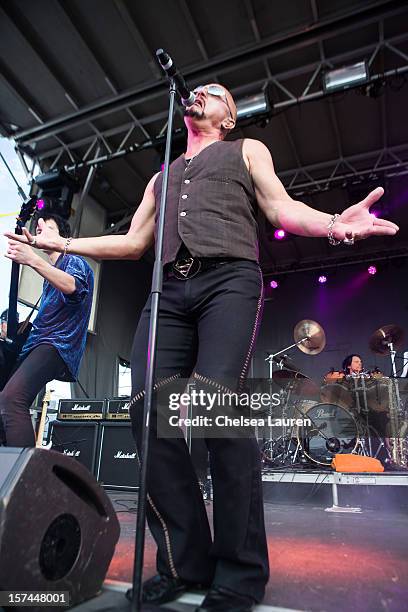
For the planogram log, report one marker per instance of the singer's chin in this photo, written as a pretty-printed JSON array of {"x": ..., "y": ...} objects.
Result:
[{"x": 192, "y": 112}]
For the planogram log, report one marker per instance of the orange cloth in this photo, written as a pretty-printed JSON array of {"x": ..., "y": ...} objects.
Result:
[{"x": 356, "y": 463}]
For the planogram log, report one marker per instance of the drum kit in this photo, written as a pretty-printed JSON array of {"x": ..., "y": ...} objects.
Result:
[{"x": 357, "y": 413}]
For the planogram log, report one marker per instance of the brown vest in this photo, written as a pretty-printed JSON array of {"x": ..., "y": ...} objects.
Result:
[{"x": 211, "y": 205}]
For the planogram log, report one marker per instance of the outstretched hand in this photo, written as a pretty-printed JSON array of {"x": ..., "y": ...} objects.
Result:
[
  {"x": 45, "y": 238},
  {"x": 357, "y": 223}
]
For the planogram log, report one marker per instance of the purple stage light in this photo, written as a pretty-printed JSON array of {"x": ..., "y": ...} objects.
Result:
[
  {"x": 322, "y": 279},
  {"x": 375, "y": 213},
  {"x": 372, "y": 270},
  {"x": 279, "y": 234},
  {"x": 274, "y": 284},
  {"x": 40, "y": 204}
]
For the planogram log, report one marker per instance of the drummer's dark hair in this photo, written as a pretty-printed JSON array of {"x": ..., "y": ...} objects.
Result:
[{"x": 347, "y": 361}]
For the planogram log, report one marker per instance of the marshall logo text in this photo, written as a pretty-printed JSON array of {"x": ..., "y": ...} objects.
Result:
[{"x": 121, "y": 455}]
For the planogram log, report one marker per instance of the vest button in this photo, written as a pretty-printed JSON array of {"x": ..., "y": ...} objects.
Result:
[
  {"x": 187, "y": 181},
  {"x": 184, "y": 196},
  {"x": 183, "y": 213}
]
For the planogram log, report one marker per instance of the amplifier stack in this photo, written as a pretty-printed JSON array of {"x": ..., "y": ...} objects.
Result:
[
  {"x": 81, "y": 410},
  {"x": 98, "y": 434}
]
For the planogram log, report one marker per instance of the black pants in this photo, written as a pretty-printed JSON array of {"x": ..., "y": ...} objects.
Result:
[
  {"x": 207, "y": 329},
  {"x": 41, "y": 365}
]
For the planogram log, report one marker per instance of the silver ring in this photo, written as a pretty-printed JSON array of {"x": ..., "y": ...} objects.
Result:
[
  {"x": 348, "y": 241},
  {"x": 33, "y": 242}
]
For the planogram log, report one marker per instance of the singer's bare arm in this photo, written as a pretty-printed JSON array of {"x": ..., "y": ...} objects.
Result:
[
  {"x": 298, "y": 218},
  {"x": 129, "y": 246}
]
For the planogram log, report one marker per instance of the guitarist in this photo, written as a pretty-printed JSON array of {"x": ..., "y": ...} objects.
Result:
[{"x": 57, "y": 340}]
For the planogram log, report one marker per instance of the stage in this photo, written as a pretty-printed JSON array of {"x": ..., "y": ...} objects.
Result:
[{"x": 319, "y": 560}]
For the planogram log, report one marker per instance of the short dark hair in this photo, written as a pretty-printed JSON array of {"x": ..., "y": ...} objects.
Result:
[
  {"x": 63, "y": 225},
  {"x": 347, "y": 361}
]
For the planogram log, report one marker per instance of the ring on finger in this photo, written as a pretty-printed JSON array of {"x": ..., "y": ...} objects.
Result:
[{"x": 348, "y": 241}]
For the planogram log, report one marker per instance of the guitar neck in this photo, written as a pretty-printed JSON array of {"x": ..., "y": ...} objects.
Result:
[
  {"x": 12, "y": 307},
  {"x": 41, "y": 427},
  {"x": 27, "y": 210}
]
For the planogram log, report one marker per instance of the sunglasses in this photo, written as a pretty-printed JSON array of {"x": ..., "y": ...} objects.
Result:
[{"x": 214, "y": 90}]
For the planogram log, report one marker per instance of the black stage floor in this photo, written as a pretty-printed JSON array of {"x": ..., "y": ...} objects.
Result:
[{"x": 320, "y": 561}]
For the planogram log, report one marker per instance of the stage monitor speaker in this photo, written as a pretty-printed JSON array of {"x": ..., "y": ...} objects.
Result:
[
  {"x": 117, "y": 466},
  {"x": 58, "y": 529},
  {"x": 76, "y": 439}
]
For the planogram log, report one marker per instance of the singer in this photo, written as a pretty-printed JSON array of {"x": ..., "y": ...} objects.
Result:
[{"x": 210, "y": 312}]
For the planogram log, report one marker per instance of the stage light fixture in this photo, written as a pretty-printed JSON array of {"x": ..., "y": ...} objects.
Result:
[
  {"x": 274, "y": 284},
  {"x": 56, "y": 190},
  {"x": 345, "y": 77},
  {"x": 257, "y": 104},
  {"x": 279, "y": 234},
  {"x": 372, "y": 270},
  {"x": 322, "y": 279}
]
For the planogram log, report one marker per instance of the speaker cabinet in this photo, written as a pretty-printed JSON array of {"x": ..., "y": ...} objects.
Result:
[
  {"x": 76, "y": 439},
  {"x": 58, "y": 529},
  {"x": 117, "y": 466}
]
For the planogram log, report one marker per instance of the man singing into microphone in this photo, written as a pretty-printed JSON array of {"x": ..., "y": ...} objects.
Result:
[{"x": 210, "y": 312}]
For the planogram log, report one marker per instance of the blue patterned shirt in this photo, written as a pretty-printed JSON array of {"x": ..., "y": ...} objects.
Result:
[{"x": 62, "y": 320}]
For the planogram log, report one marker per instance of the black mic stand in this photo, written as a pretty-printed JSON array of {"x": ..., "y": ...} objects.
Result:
[{"x": 157, "y": 284}]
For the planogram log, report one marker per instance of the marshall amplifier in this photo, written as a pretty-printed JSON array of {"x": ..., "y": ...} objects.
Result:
[
  {"x": 80, "y": 409},
  {"x": 76, "y": 440},
  {"x": 117, "y": 408},
  {"x": 117, "y": 466}
]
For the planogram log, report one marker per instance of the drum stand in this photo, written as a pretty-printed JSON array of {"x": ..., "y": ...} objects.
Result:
[
  {"x": 367, "y": 430},
  {"x": 395, "y": 410},
  {"x": 283, "y": 440},
  {"x": 363, "y": 413}
]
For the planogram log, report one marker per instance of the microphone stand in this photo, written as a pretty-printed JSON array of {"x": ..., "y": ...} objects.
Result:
[{"x": 157, "y": 285}]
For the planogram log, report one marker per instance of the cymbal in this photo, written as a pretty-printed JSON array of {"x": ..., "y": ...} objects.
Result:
[
  {"x": 303, "y": 385},
  {"x": 314, "y": 332},
  {"x": 384, "y": 336}
]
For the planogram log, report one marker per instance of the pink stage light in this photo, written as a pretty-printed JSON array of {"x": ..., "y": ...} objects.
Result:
[
  {"x": 322, "y": 279},
  {"x": 40, "y": 204},
  {"x": 274, "y": 284},
  {"x": 372, "y": 270},
  {"x": 374, "y": 213},
  {"x": 279, "y": 234}
]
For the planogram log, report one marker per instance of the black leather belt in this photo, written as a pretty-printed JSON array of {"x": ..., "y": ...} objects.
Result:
[{"x": 187, "y": 267}]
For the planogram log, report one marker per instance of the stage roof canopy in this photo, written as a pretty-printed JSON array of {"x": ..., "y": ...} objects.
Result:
[{"x": 79, "y": 80}]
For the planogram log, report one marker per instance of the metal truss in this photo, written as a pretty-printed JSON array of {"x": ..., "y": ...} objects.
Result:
[
  {"x": 291, "y": 98},
  {"x": 334, "y": 262},
  {"x": 261, "y": 50},
  {"x": 385, "y": 163}
]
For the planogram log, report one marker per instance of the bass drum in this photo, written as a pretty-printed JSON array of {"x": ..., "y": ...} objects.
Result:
[
  {"x": 332, "y": 429},
  {"x": 336, "y": 390}
]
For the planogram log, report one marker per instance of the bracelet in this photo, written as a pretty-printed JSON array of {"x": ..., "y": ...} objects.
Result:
[
  {"x": 67, "y": 243},
  {"x": 330, "y": 236}
]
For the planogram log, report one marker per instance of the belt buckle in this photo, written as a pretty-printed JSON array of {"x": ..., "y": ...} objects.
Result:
[{"x": 183, "y": 269}]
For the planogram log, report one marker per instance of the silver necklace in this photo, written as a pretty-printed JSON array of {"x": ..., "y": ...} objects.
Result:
[{"x": 189, "y": 160}]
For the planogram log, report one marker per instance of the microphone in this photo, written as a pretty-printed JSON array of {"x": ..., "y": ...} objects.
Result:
[{"x": 165, "y": 61}]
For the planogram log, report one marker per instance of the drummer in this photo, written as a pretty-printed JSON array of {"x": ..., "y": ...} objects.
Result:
[{"x": 353, "y": 365}]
